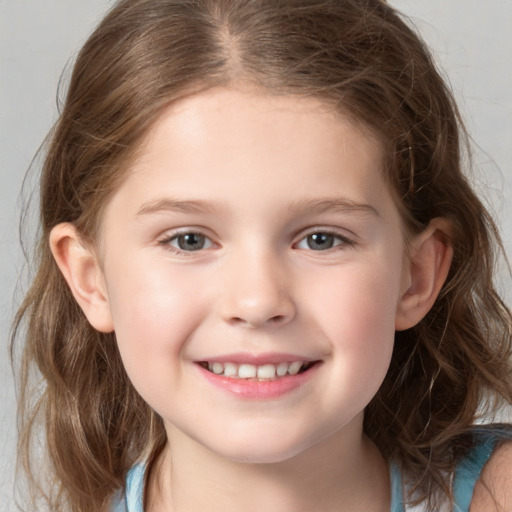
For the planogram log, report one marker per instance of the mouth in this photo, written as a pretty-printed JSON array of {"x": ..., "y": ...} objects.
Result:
[{"x": 264, "y": 373}]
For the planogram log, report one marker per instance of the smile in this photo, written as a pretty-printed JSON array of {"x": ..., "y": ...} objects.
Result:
[{"x": 264, "y": 372}]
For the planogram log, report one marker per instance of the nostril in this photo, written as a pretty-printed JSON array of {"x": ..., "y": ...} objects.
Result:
[
  {"x": 257, "y": 309},
  {"x": 274, "y": 320}
]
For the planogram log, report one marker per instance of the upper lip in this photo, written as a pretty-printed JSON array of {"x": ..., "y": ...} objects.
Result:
[{"x": 257, "y": 359}]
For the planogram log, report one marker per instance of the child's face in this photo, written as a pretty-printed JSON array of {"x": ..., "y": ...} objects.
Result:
[{"x": 255, "y": 231}]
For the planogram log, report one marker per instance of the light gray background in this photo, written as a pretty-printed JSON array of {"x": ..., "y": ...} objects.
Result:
[{"x": 38, "y": 38}]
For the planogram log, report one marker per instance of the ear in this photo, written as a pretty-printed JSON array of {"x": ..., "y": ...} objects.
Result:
[
  {"x": 425, "y": 272},
  {"x": 80, "y": 267}
]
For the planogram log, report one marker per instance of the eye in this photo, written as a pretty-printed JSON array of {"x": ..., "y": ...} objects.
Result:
[
  {"x": 187, "y": 242},
  {"x": 322, "y": 241}
]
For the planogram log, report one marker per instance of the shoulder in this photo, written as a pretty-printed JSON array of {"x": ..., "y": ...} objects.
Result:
[{"x": 493, "y": 490}]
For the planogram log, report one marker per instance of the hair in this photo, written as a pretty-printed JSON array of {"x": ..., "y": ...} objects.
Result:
[{"x": 363, "y": 59}]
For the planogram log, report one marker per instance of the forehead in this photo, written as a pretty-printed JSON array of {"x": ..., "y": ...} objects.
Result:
[
  {"x": 227, "y": 143},
  {"x": 255, "y": 106},
  {"x": 224, "y": 121}
]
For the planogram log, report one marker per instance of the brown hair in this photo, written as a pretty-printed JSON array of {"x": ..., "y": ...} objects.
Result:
[{"x": 360, "y": 57}]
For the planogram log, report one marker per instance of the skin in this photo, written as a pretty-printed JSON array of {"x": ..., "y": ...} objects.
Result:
[{"x": 257, "y": 176}]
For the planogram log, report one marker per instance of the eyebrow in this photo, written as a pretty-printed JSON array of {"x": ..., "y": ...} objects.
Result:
[
  {"x": 172, "y": 205},
  {"x": 336, "y": 204}
]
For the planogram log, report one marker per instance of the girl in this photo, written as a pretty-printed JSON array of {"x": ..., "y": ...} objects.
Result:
[{"x": 264, "y": 282}]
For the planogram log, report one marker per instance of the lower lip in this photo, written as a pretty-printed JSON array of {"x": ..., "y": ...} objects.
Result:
[{"x": 260, "y": 390}]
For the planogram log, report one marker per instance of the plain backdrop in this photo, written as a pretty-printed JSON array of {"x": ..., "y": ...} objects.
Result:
[{"x": 39, "y": 38}]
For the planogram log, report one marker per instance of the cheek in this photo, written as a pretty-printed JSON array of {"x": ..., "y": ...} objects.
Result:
[
  {"x": 357, "y": 317},
  {"x": 361, "y": 304},
  {"x": 154, "y": 312}
]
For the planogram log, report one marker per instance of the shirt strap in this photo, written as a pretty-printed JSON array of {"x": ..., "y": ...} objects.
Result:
[
  {"x": 133, "y": 498},
  {"x": 135, "y": 488},
  {"x": 397, "y": 497},
  {"x": 470, "y": 467}
]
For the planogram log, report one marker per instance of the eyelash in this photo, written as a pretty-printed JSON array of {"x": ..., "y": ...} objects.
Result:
[
  {"x": 342, "y": 241},
  {"x": 338, "y": 240},
  {"x": 167, "y": 241}
]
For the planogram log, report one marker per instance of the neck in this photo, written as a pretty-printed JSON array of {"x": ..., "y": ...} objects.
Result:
[{"x": 343, "y": 473}]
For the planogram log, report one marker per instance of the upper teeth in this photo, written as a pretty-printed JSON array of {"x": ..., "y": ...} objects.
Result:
[{"x": 251, "y": 371}]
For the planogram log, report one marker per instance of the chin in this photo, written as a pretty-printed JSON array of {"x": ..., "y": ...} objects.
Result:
[
  {"x": 263, "y": 449},
  {"x": 262, "y": 456}
]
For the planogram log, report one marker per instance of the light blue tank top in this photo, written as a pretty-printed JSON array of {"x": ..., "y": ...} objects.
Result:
[{"x": 466, "y": 475}]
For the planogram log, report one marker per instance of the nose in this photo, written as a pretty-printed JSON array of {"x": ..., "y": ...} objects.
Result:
[{"x": 257, "y": 292}]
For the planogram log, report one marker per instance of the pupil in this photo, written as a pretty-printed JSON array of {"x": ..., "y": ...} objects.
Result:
[
  {"x": 191, "y": 242},
  {"x": 320, "y": 241}
]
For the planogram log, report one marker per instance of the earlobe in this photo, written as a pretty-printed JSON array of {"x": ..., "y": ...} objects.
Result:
[
  {"x": 81, "y": 270},
  {"x": 427, "y": 269}
]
